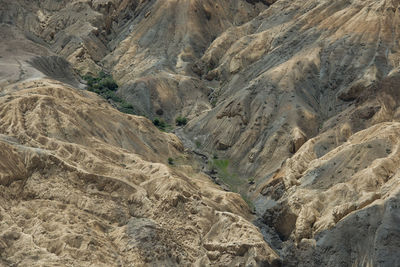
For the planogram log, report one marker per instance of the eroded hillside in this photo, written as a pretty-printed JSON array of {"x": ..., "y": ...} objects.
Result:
[
  {"x": 296, "y": 102},
  {"x": 83, "y": 184}
]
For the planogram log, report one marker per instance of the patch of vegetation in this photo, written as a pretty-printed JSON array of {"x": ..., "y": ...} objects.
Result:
[
  {"x": 126, "y": 107},
  {"x": 105, "y": 86},
  {"x": 230, "y": 179},
  {"x": 160, "y": 124},
  {"x": 170, "y": 161},
  {"x": 181, "y": 121}
]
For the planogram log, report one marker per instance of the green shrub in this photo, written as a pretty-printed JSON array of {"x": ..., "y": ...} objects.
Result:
[
  {"x": 103, "y": 82},
  {"x": 181, "y": 121},
  {"x": 125, "y": 104},
  {"x": 170, "y": 161},
  {"x": 160, "y": 124},
  {"x": 126, "y": 108},
  {"x": 232, "y": 180},
  {"x": 88, "y": 78},
  {"x": 103, "y": 75},
  {"x": 105, "y": 86},
  {"x": 108, "y": 83}
]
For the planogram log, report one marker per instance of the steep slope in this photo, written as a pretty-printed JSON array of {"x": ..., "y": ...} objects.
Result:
[
  {"x": 154, "y": 61},
  {"x": 299, "y": 96},
  {"x": 297, "y": 85},
  {"x": 297, "y": 70},
  {"x": 82, "y": 183},
  {"x": 150, "y": 46},
  {"x": 342, "y": 207}
]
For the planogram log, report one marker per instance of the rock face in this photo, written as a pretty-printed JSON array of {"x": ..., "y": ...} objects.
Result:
[
  {"x": 302, "y": 96},
  {"x": 348, "y": 196},
  {"x": 84, "y": 184}
]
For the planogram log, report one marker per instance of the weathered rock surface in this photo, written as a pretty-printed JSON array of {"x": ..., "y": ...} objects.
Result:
[
  {"x": 301, "y": 95},
  {"x": 83, "y": 184},
  {"x": 339, "y": 208}
]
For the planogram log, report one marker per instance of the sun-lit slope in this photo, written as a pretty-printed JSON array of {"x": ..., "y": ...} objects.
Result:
[
  {"x": 309, "y": 103},
  {"x": 82, "y": 184},
  {"x": 286, "y": 74},
  {"x": 150, "y": 46},
  {"x": 301, "y": 96},
  {"x": 342, "y": 207},
  {"x": 155, "y": 55}
]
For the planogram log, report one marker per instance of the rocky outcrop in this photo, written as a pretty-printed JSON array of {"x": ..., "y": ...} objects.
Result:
[
  {"x": 298, "y": 139},
  {"x": 301, "y": 96},
  {"x": 329, "y": 197},
  {"x": 85, "y": 184}
]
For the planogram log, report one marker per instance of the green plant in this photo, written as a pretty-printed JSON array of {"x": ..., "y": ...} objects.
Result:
[
  {"x": 232, "y": 180},
  {"x": 160, "y": 124},
  {"x": 229, "y": 178},
  {"x": 181, "y": 121},
  {"x": 127, "y": 108},
  {"x": 102, "y": 81},
  {"x": 170, "y": 161},
  {"x": 108, "y": 83},
  {"x": 102, "y": 75},
  {"x": 105, "y": 86}
]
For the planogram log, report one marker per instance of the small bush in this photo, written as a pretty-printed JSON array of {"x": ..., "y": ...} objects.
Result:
[
  {"x": 127, "y": 108},
  {"x": 160, "y": 124},
  {"x": 103, "y": 82},
  {"x": 170, "y": 161},
  {"x": 108, "y": 83},
  {"x": 181, "y": 121},
  {"x": 125, "y": 104}
]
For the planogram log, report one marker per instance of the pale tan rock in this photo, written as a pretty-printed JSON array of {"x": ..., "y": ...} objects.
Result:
[
  {"x": 246, "y": 74},
  {"x": 298, "y": 139},
  {"x": 84, "y": 184}
]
